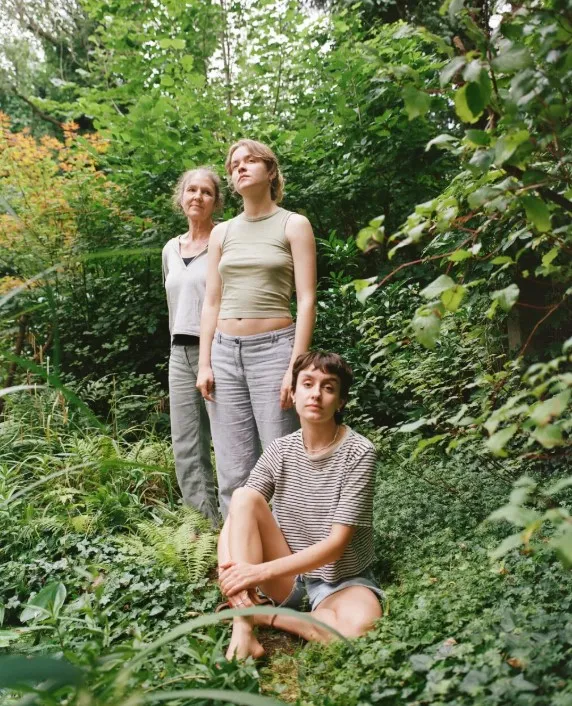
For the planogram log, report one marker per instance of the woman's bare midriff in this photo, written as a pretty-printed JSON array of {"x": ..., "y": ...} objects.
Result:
[{"x": 251, "y": 327}]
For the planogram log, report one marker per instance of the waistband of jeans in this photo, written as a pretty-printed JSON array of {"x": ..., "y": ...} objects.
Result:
[{"x": 267, "y": 337}]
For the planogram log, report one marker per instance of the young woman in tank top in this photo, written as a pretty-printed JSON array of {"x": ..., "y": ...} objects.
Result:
[{"x": 248, "y": 341}]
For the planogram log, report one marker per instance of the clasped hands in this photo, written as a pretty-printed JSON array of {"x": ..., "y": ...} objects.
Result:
[{"x": 238, "y": 582}]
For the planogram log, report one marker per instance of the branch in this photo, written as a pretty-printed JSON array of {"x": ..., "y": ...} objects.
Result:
[
  {"x": 549, "y": 313},
  {"x": 35, "y": 109},
  {"x": 421, "y": 260},
  {"x": 548, "y": 194}
]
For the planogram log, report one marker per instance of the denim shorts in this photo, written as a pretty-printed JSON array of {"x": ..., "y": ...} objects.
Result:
[{"x": 308, "y": 593}]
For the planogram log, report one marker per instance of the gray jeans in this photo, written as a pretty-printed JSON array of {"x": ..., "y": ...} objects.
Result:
[
  {"x": 190, "y": 432},
  {"x": 246, "y": 413}
]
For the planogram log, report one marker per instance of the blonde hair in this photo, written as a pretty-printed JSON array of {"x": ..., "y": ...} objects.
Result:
[
  {"x": 189, "y": 174},
  {"x": 259, "y": 149}
]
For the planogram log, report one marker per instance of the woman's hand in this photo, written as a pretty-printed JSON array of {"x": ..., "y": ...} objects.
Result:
[
  {"x": 286, "y": 390},
  {"x": 236, "y": 577},
  {"x": 205, "y": 382},
  {"x": 243, "y": 599}
]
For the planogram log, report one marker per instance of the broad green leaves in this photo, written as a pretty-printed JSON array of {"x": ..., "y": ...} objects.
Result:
[
  {"x": 511, "y": 57},
  {"x": 46, "y": 604},
  {"x": 504, "y": 298},
  {"x": 426, "y": 325},
  {"x": 537, "y": 212},
  {"x": 527, "y": 510},
  {"x": 417, "y": 103},
  {"x": 507, "y": 144}
]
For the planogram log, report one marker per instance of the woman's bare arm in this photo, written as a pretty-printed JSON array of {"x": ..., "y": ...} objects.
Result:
[
  {"x": 303, "y": 247},
  {"x": 209, "y": 315},
  {"x": 237, "y": 576}
]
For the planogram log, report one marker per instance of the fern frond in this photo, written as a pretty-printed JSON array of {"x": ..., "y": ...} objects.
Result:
[{"x": 183, "y": 540}]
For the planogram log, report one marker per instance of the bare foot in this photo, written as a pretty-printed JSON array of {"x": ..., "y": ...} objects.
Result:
[{"x": 243, "y": 645}]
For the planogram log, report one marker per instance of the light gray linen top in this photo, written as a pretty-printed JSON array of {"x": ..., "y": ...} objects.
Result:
[{"x": 185, "y": 286}]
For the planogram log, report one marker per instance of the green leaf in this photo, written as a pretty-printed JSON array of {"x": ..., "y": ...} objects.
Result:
[
  {"x": 47, "y": 603},
  {"x": 545, "y": 411},
  {"x": 481, "y": 160},
  {"x": 443, "y": 142},
  {"x": 437, "y": 287},
  {"x": 187, "y": 62},
  {"x": 450, "y": 69},
  {"x": 562, "y": 545},
  {"x": 462, "y": 106},
  {"x": 475, "y": 99},
  {"x": 502, "y": 260},
  {"x": 178, "y": 43},
  {"x": 426, "y": 328},
  {"x": 478, "y": 137},
  {"x": 167, "y": 80},
  {"x": 519, "y": 684},
  {"x": 498, "y": 441},
  {"x": 421, "y": 662},
  {"x": 17, "y": 670},
  {"x": 481, "y": 196},
  {"x": 365, "y": 288},
  {"x": 413, "y": 426},
  {"x": 417, "y": 103},
  {"x": 537, "y": 212},
  {"x": 211, "y": 695},
  {"x": 473, "y": 682},
  {"x": 558, "y": 486},
  {"x": 519, "y": 516},
  {"x": 509, "y": 543},
  {"x": 452, "y": 298},
  {"x": 460, "y": 255},
  {"x": 507, "y": 297},
  {"x": 550, "y": 256},
  {"x": 512, "y": 59},
  {"x": 507, "y": 144},
  {"x": 549, "y": 436},
  {"x": 364, "y": 236}
]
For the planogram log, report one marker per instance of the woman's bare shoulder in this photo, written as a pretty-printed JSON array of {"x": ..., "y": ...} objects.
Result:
[{"x": 299, "y": 227}]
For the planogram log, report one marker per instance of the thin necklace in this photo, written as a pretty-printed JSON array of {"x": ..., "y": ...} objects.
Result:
[{"x": 323, "y": 448}]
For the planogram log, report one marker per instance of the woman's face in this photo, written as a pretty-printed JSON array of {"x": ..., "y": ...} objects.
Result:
[
  {"x": 248, "y": 171},
  {"x": 317, "y": 395},
  {"x": 199, "y": 197}
]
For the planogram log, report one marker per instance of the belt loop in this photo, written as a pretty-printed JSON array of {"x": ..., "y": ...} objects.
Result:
[
  {"x": 274, "y": 336},
  {"x": 218, "y": 337}
]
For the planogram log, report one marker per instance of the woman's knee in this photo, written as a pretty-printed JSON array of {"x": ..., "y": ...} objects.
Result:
[
  {"x": 357, "y": 612},
  {"x": 357, "y": 625},
  {"x": 246, "y": 500}
]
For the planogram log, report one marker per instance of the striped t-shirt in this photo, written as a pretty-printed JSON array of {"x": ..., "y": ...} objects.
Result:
[{"x": 312, "y": 493}]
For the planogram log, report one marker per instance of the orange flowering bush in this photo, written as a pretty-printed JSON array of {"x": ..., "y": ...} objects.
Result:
[{"x": 41, "y": 181}]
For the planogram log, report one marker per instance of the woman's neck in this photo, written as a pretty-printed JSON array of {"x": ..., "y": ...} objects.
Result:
[
  {"x": 199, "y": 229},
  {"x": 258, "y": 205},
  {"x": 319, "y": 436}
]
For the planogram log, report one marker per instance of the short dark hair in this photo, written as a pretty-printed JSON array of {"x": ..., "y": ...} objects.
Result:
[{"x": 326, "y": 362}]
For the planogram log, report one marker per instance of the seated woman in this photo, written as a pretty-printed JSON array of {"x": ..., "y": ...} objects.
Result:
[{"x": 316, "y": 544}]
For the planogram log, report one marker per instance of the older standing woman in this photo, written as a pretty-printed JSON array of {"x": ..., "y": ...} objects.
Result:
[
  {"x": 198, "y": 195},
  {"x": 249, "y": 341}
]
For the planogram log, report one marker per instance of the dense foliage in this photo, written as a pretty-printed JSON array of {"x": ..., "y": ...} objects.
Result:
[{"x": 432, "y": 157}]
